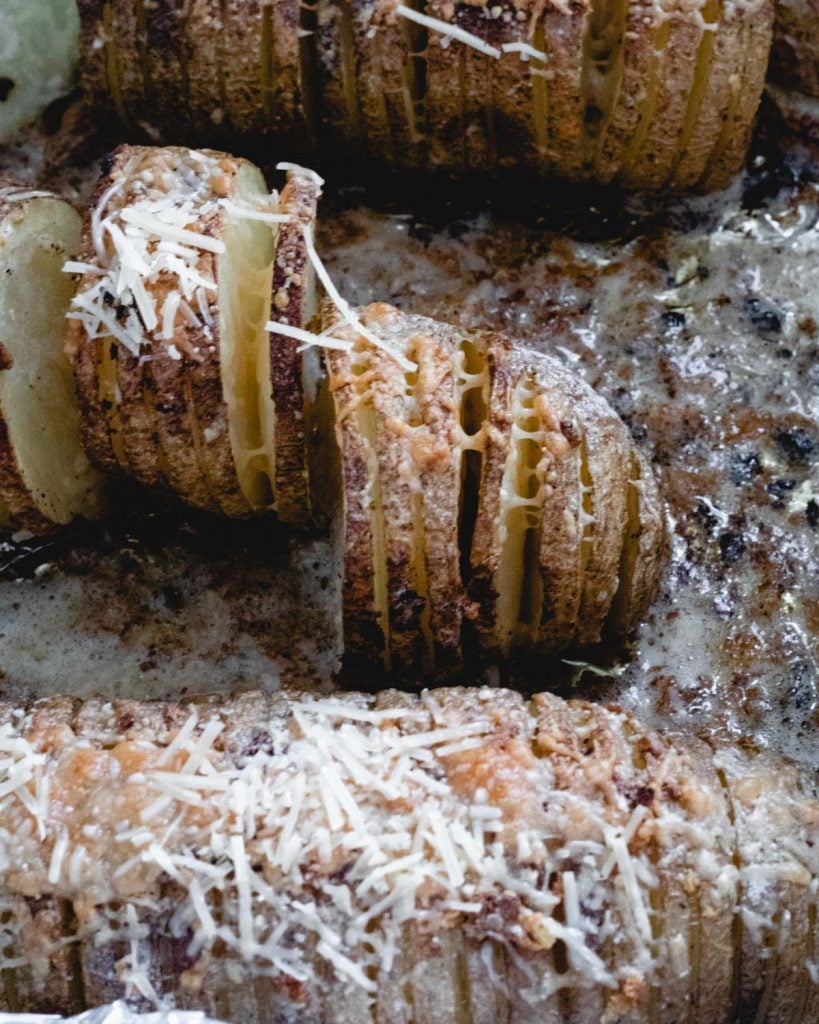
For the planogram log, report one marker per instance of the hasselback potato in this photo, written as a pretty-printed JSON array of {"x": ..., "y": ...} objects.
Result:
[
  {"x": 459, "y": 856},
  {"x": 485, "y": 499},
  {"x": 658, "y": 94},
  {"x": 492, "y": 501}
]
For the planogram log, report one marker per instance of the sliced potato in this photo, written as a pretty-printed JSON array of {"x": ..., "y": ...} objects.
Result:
[
  {"x": 293, "y": 374},
  {"x": 45, "y": 477},
  {"x": 485, "y": 550},
  {"x": 38, "y": 929},
  {"x": 605, "y": 450},
  {"x": 643, "y": 549},
  {"x": 648, "y": 95},
  {"x": 775, "y": 820},
  {"x": 404, "y": 427},
  {"x": 745, "y": 89},
  {"x": 546, "y": 550},
  {"x": 365, "y": 612},
  {"x": 695, "y": 923},
  {"x": 169, "y": 342}
]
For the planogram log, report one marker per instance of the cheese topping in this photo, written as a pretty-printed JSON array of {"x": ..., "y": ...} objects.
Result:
[
  {"x": 285, "y": 830},
  {"x": 149, "y": 247}
]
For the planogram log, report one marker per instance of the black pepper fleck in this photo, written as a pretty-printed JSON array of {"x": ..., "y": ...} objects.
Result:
[
  {"x": 765, "y": 317},
  {"x": 673, "y": 321},
  {"x": 777, "y": 489},
  {"x": 743, "y": 467},
  {"x": 796, "y": 444},
  {"x": 731, "y": 546}
]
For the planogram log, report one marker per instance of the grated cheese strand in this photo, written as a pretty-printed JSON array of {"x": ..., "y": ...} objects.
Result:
[{"x": 449, "y": 31}]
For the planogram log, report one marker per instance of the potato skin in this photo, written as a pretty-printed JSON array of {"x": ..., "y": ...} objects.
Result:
[
  {"x": 653, "y": 102},
  {"x": 293, "y": 289}
]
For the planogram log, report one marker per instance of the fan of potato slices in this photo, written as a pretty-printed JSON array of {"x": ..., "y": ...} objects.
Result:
[
  {"x": 484, "y": 498},
  {"x": 492, "y": 501}
]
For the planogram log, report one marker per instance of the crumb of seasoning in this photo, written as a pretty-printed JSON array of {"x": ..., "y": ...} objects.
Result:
[
  {"x": 796, "y": 444},
  {"x": 731, "y": 546}
]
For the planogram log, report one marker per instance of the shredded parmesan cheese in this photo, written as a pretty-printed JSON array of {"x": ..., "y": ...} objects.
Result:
[
  {"x": 526, "y": 51},
  {"x": 448, "y": 31}
]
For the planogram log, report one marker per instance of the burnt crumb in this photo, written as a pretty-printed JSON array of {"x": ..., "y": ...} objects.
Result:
[
  {"x": 339, "y": 876},
  {"x": 743, "y": 467},
  {"x": 731, "y": 546},
  {"x": 173, "y": 598},
  {"x": 126, "y": 721},
  {"x": 800, "y": 692},
  {"x": 592, "y": 114},
  {"x": 640, "y": 796},
  {"x": 107, "y": 164},
  {"x": 6, "y": 88},
  {"x": 257, "y": 740},
  {"x": 569, "y": 430},
  {"x": 812, "y": 513},
  {"x": 673, "y": 321},
  {"x": 777, "y": 489},
  {"x": 795, "y": 444},
  {"x": 764, "y": 316},
  {"x": 706, "y": 517}
]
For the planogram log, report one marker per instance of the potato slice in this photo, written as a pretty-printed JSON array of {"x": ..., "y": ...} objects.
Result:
[
  {"x": 605, "y": 451},
  {"x": 668, "y": 97},
  {"x": 404, "y": 429},
  {"x": 36, "y": 931},
  {"x": 293, "y": 375},
  {"x": 698, "y": 890},
  {"x": 775, "y": 818},
  {"x": 485, "y": 551},
  {"x": 745, "y": 89},
  {"x": 45, "y": 477},
  {"x": 365, "y": 612},
  {"x": 338, "y": 70},
  {"x": 642, "y": 552},
  {"x": 545, "y": 559},
  {"x": 177, "y": 390}
]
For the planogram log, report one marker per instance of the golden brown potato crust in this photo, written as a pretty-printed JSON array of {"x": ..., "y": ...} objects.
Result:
[
  {"x": 158, "y": 413},
  {"x": 523, "y": 521},
  {"x": 651, "y": 94}
]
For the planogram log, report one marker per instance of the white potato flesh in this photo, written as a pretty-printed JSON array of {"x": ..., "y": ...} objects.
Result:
[
  {"x": 245, "y": 275},
  {"x": 39, "y": 44},
  {"x": 38, "y": 403}
]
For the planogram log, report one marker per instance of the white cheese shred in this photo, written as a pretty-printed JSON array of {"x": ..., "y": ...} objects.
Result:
[{"x": 449, "y": 31}]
